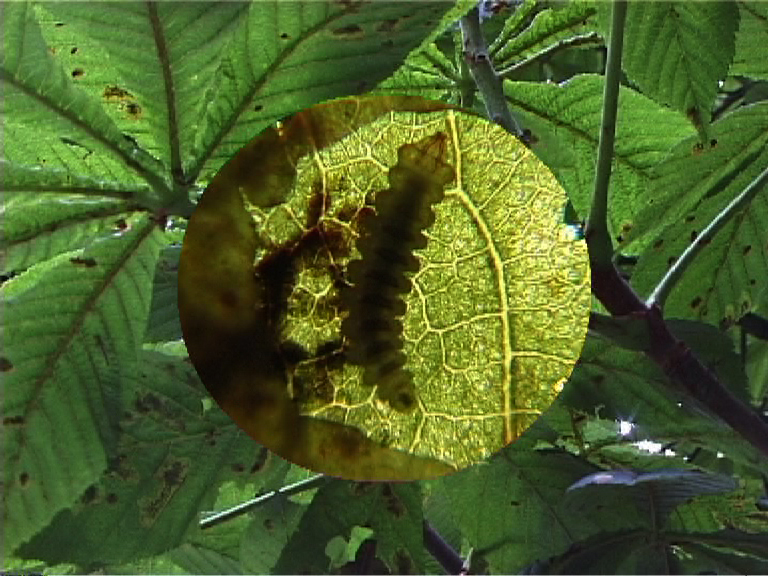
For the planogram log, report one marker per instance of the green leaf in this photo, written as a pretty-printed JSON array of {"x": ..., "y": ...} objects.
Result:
[
  {"x": 729, "y": 538},
  {"x": 39, "y": 223},
  {"x": 340, "y": 551},
  {"x": 511, "y": 509},
  {"x": 157, "y": 481},
  {"x": 690, "y": 188},
  {"x": 603, "y": 553},
  {"x": 749, "y": 59},
  {"x": 626, "y": 386},
  {"x": 676, "y": 52},
  {"x": 163, "y": 322},
  {"x": 656, "y": 494},
  {"x": 119, "y": 47},
  {"x": 288, "y": 56},
  {"x": 565, "y": 119},
  {"x": 392, "y": 511},
  {"x": 52, "y": 122},
  {"x": 269, "y": 532},
  {"x": 426, "y": 72},
  {"x": 71, "y": 327},
  {"x": 547, "y": 27},
  {"x": 704, "y": 558}
]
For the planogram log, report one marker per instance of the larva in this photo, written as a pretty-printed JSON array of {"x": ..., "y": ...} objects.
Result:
[{"x": 380, "y": 278}]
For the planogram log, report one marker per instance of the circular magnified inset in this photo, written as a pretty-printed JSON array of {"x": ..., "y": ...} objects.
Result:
[{"x": 384, "y": 289}]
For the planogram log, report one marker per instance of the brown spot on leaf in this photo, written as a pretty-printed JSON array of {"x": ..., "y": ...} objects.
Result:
[
  {"x": 77, "y": 72},
  {"x": 175, "y": 473},
  {"x": 269, "y": 525},
  {"x": 392, "y": 501},
  {"x": 351, "y": 31},
  {"x": 5, "y": 364},
  {"x": 670, "y": 261},
  {"x": 112, "y": 498},
  {"x": 387, "y": 25},
  {"x": 148, "y": 402},
  {"x": 690, "y": 218},
  {"x": 90, "y": 494},
  {"x": 13, "y": 421},
  {"x": 113, "y": 91},
  {"x": 23, "y": 479},
  {"x": 73, "y": 50},
  {"x": 87, "y": 262},
  {"x": 361, "y": 488},
  {"x": 746, "y": 250},
  {"x": 696, "y": 302},
  {"x": 170, "y": 476},
  {"x": 658, "y": 244},
  {"x": 133, "y": 109},
  {"x": 259, "y": 463},
  {"x": 694, "y": 234}
]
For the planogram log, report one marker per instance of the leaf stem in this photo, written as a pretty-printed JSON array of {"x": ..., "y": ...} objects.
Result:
[
  {"x": 673, "y": 276},
  {"x": 599, "y": 240},
  {"x": 488, "y": 82},
  {"x": 441, "y": 551},
  {"x": 295, "y": 488},
  {"x": 678, "y": 362}
]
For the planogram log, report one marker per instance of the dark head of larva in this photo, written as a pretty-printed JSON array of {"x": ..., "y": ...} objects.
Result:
[{"x": 380, "y": 278}]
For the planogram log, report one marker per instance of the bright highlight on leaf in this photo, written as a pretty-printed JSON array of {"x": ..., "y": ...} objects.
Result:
[{"x": 303, "y": 230}]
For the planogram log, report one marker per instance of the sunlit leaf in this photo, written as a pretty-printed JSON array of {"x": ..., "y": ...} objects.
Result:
[
  {"x": 676, "y": 52},
  {"x": 493, "y": 322},
  {"x": 67, "y": 340},
  {"x": 692, "y": 186}
]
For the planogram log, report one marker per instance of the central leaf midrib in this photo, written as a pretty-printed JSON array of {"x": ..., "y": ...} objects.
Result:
[{"x": 501, "y": 285}]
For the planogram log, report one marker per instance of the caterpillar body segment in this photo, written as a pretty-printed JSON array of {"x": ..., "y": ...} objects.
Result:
[{"x": 381, "y": 276}]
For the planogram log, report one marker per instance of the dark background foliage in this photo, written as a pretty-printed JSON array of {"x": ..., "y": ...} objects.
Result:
[{"x": 117, "y": 115}]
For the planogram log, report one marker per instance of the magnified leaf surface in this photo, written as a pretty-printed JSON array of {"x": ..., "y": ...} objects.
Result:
[{"x": 487, "y": 314}]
